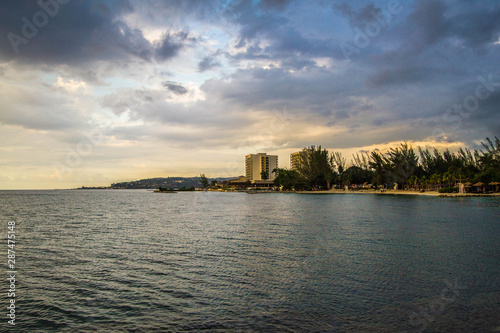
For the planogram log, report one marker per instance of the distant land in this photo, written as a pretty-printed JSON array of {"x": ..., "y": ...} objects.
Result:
[{"x": 154, "y": 183}]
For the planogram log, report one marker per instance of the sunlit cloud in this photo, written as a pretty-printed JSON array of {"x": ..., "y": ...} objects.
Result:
[{"x": 161, "y": 88}]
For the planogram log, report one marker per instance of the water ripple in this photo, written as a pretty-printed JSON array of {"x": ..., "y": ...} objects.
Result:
[{"x": 133, "y": 261}]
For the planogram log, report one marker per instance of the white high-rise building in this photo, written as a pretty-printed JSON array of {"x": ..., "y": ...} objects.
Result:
[{"x": 256, "y": 163}]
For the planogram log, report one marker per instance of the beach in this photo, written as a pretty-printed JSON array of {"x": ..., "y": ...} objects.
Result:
[{"x": 401, "y": 192}]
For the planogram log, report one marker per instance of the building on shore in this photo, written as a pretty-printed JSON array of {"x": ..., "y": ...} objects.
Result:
[
  {"x": 240, "y": 183},
  {"x": 255, "y": 164},
  {"x": 295, "y": 160},
  {"x": 240, "y": 179}
]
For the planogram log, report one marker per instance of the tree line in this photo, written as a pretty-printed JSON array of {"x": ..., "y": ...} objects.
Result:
[{"x": 320, "y": 169}]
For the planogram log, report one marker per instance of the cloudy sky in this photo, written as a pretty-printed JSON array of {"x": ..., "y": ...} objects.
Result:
[{"x": 95, "y": 92}]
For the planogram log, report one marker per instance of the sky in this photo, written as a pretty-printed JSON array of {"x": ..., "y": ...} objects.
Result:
[{"x": 96, "y": 92}]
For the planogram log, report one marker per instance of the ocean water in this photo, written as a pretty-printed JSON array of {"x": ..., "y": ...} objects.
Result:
[{"x": 138, "y": 261}]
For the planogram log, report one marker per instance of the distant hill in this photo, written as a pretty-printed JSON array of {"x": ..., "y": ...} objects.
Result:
[{"x": 169, "y": 182}]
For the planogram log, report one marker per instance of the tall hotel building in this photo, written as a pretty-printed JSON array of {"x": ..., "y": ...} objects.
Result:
[
  {"x": 295, "y": 160},
  {"x": 256, "y": 163}
]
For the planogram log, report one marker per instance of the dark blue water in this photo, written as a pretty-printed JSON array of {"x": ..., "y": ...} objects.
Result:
[{"x": 137, "y": 261}]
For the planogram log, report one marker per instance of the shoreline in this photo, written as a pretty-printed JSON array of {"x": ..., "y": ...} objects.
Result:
[{"x": 403, "y": 192}]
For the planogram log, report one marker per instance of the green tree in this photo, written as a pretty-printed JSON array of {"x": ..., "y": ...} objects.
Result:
[
  {"x": 338, "y": 162},
  {"x": 413, "y": 180},
  {"x": 203, "y": 180},
  {"x": 329, "y": 177},
  {"x": 315, "y": 166},
  {"x": 490, "y": 157},
  {"x": 356, "y": 175},
  {"x": 361, "y": 160},
  {"x": 435, "y": 179},
  {"x": 402, "y": 162},
  {"x": 449, "y": 178},
  {"x": 379, "y": 165},
  {"x": 264, "y": 175},
  {"x": 289, "y": 179}
]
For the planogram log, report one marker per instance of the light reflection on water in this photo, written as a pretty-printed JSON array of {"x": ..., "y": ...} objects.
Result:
[{"x": 123, "y": 261}]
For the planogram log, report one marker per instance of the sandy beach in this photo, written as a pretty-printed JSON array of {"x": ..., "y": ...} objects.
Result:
[{"x": 402, "y": 192}]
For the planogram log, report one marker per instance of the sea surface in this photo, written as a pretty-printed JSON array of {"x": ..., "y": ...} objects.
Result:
[{"x": 138, "y": 261}]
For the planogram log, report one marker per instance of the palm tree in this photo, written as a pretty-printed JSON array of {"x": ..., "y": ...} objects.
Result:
[
  {"x": 264, "y": 175},
  {"x": 449, "y": 178},
  {"x": 203, "y": 181},
  {"x": 435, "y": 179},
  {"x": 378, "y": 165},
  {"x": 329, "y": 177},
  {"x": 413, "y": 180}
]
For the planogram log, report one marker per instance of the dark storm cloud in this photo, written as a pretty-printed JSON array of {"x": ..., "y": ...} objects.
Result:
[
  {"x": 472, "y": 23},
  {"x": 291, "y": 50},
  {"x": 254, "y": 24},
  {"x": 357, "y": 18},
  {"x": 278, "y": 4},
  {"x": 171, "y": 44},
  {"x": 290, "y": 43},
  {"x": 341, "y": 115},
  {"x": 316, "y": 92},
  {"x": 284, "y": 40},
  {"x": 380, "y": 121},
  {"x": 208, "y": 63},
  {"x": 175, "y": 87},
  {"x": 175, "y": 12},
  {"x": 433, "y": 22},
  {"x": 77, "y": 32},
  {"x": 468, "y": 112},
  {"x": 488, "y": 113},
  {"x": 401, "y": 75},
  {"x": 408, "y": 72},
  {"x": 429, "y": 18},
  {"x": 436, "y": 52}
]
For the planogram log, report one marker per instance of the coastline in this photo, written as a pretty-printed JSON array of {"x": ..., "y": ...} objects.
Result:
[{"x": 403, "y": 192}]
